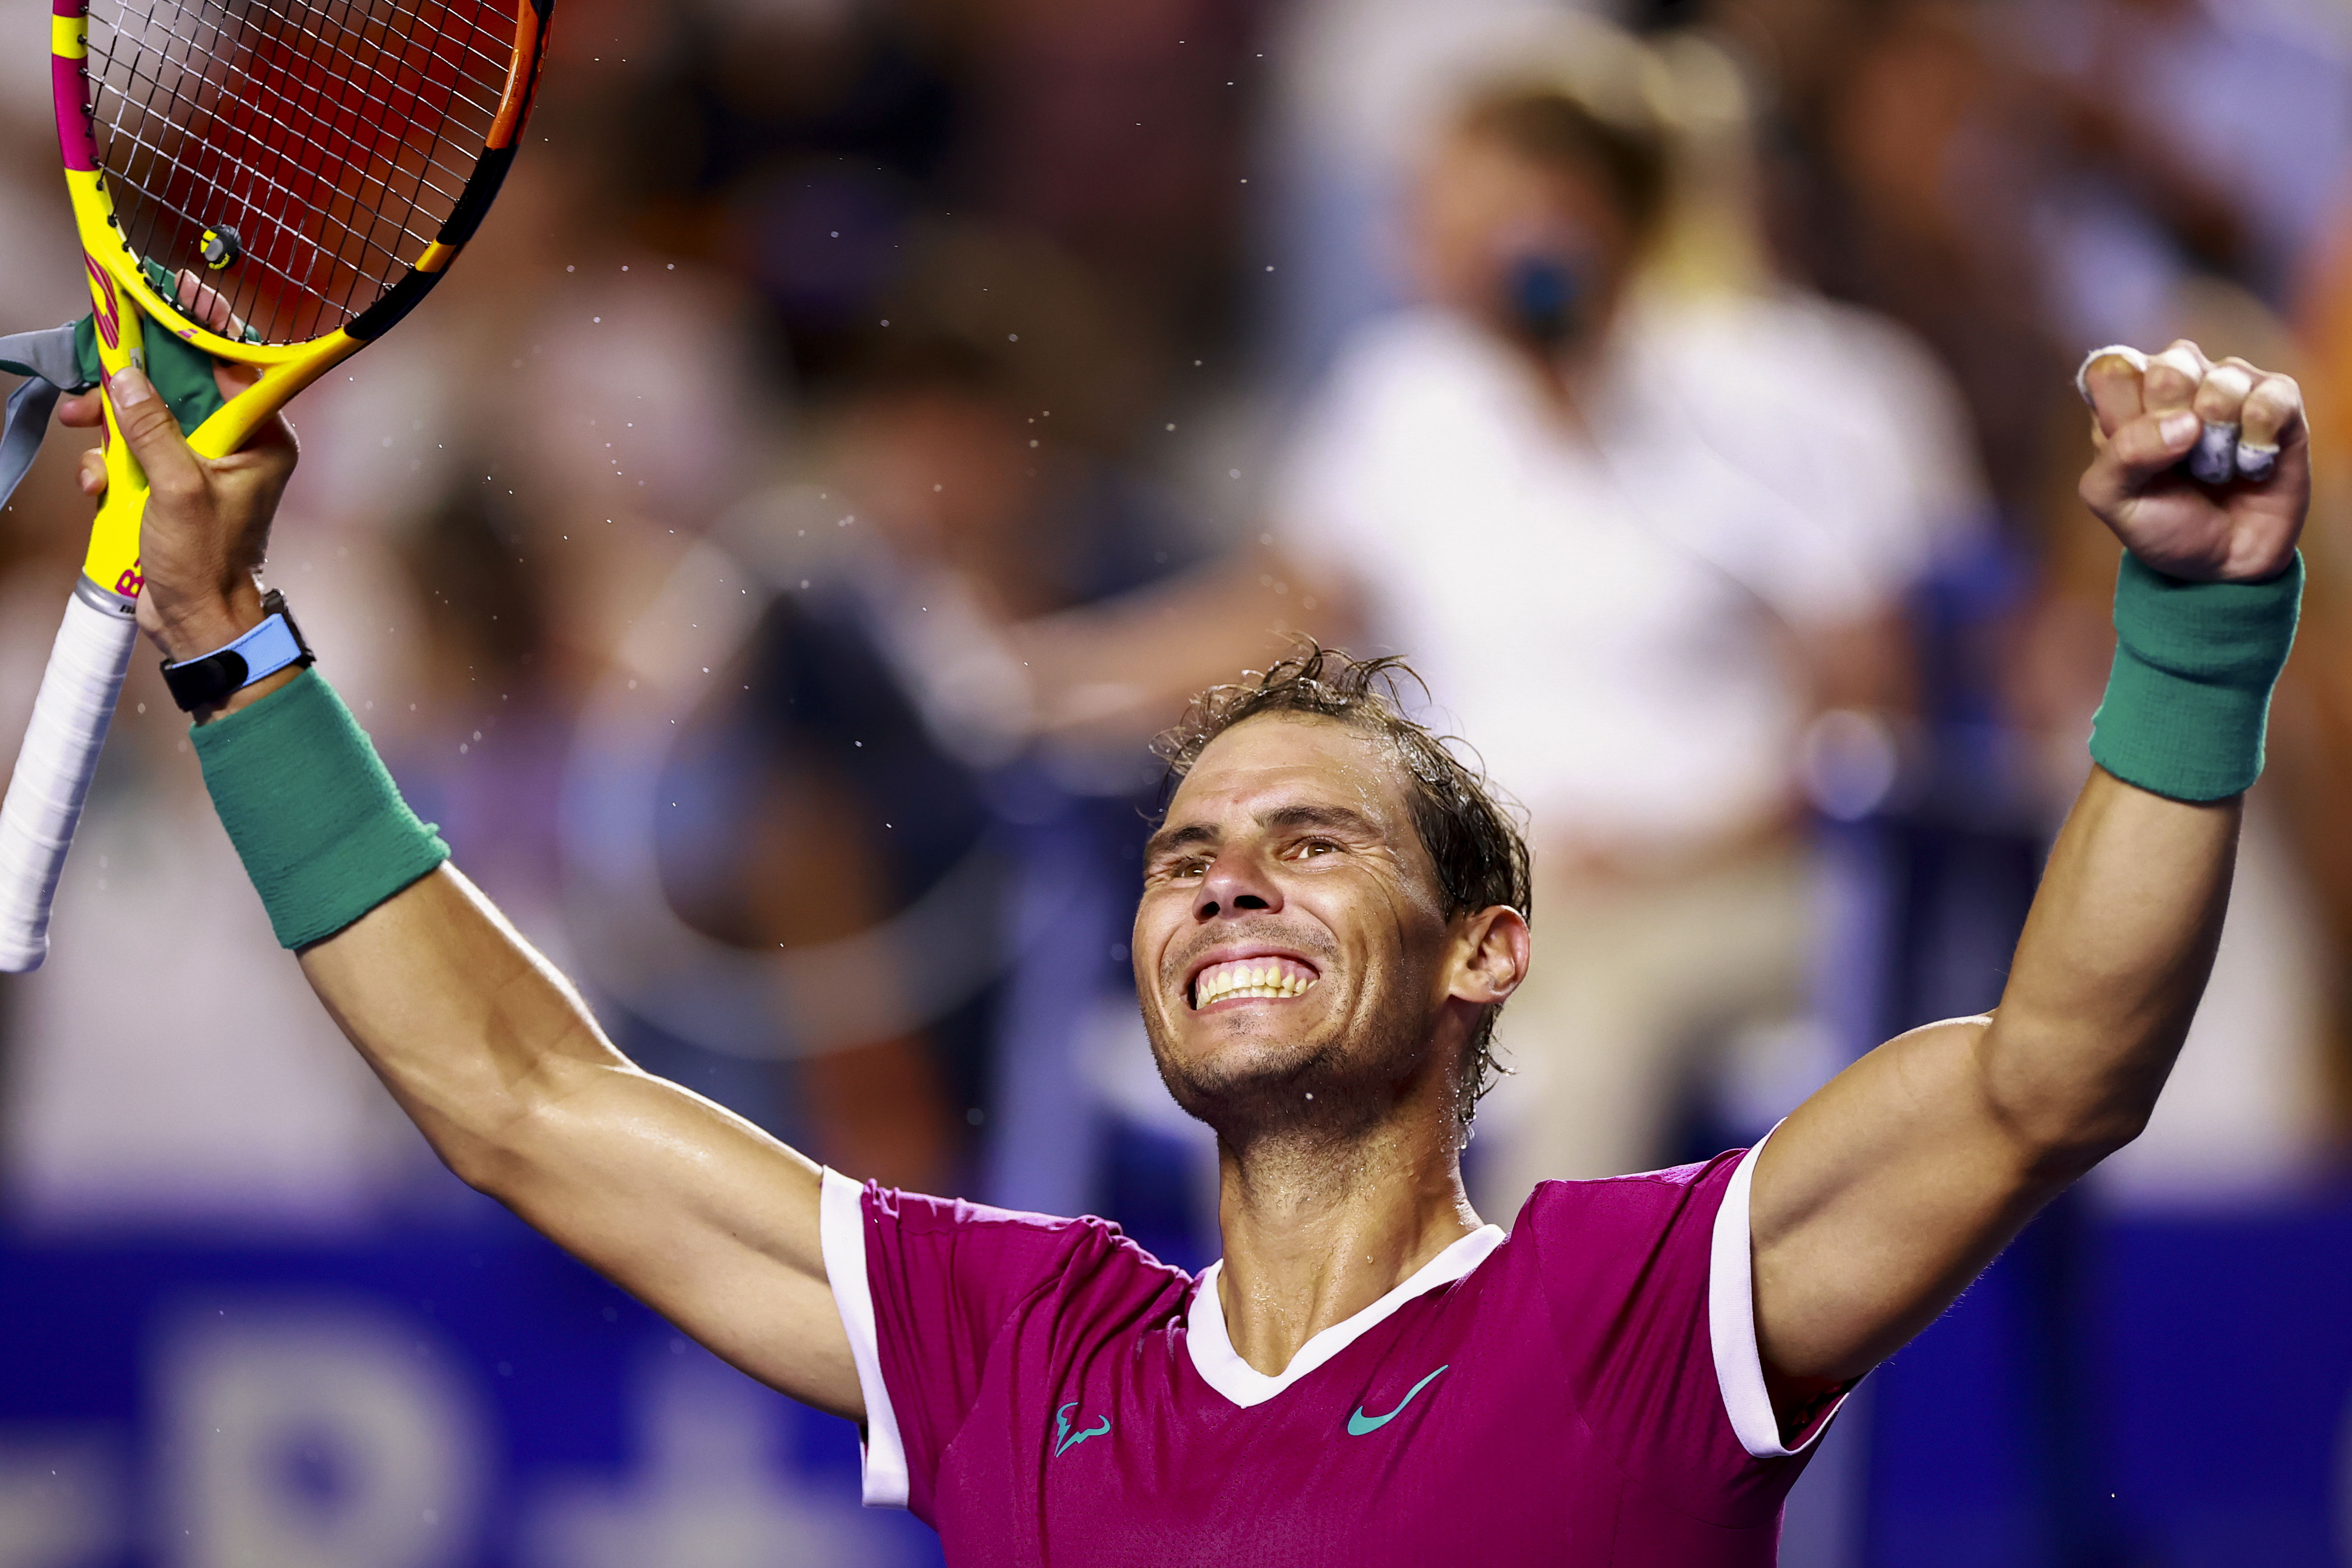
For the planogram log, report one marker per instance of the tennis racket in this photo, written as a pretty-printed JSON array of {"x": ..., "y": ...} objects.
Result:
[{"x": 270, "y": 183}]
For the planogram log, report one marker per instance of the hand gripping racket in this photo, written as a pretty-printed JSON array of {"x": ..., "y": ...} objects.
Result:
[{"x": 320, "y": 162}]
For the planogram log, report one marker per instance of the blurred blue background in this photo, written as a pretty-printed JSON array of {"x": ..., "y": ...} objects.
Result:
[{"x": 861, "y": 422}]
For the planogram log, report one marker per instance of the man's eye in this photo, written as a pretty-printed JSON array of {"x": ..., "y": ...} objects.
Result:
[{"x": 1309, "y": 849}]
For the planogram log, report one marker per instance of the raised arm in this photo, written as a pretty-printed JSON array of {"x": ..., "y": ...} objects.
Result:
[
  {"x": 688, "y": 1206},
  {"x": 683, "y": 1203},
  {"x": 1886, "y": 1192}
]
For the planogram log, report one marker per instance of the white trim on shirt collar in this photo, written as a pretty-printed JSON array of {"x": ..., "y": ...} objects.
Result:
[
  {"x": 1215, "y": 1358},
  {"x": 841, "y": 1233},
  {"x": 1731, "y": 1325}
]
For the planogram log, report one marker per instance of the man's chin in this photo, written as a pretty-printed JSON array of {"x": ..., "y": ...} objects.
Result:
[{"x": 1238, "y": 1085}]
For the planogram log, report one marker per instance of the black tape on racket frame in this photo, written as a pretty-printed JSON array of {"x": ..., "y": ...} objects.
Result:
[
  {"x": 389, "y": 312},
  {"x": 490, "y": 173}
]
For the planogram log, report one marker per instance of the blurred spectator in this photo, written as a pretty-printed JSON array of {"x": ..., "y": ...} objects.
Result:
[
  {"x": 471, "y": 528},
  {"x": 1638, "y": 515},
  {"x": 1627, "y": 534},
  {"x": 2166, "y": 166},
  {"x": 506, "y": 486},
  {"x": 1115, "y": 132},
  {"x": 1906, "y": 167},
  {"x": 533, "y": 454},
  {"x": 2018, "y": 183},
  {"x": 874, "y": 753},
  {"x": 251, "y": 1115},
  {"x": 2313, "y": 731},
  {"x": 1359, "y": 88}
]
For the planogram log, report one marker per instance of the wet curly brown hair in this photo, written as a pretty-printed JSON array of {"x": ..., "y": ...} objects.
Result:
[{"x": 1469, "y": 827}]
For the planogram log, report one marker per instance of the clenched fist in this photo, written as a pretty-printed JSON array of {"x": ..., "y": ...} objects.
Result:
[{"x": 2150, "y": 415}]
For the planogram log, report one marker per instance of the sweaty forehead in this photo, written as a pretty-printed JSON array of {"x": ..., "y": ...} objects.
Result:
[{"x": 1278, "y": 759}]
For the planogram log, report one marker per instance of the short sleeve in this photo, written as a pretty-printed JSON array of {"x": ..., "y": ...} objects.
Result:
[
  {"x": 1629, "y": 1268},
  {"x": 840, "y": 1230},
  {"x": 933, "y": 1290},
  {"x": 1731, "y": 1326}
]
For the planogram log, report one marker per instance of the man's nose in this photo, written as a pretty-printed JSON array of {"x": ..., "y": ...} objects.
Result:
[{"x": 1236, "y": 883}]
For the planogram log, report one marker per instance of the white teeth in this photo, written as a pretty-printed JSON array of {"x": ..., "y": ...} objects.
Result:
[{"x": 1272, "y": 982}]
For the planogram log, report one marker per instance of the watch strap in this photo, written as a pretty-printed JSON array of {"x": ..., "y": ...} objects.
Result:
[{"x": 270, "y": 646}]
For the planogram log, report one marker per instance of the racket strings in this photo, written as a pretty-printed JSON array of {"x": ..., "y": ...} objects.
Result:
[
  {"x": 285, "y": 134},
  {"x": 277, "y": 136},
  {"x": 381, "y": 91},
  {"x": 335, "y": 136},
  {"x": 149, "y": 156}
]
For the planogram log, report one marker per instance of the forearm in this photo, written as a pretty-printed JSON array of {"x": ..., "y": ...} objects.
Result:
[
  {"x": 2108, "y": 973},
  {"x": 701, "y": 1215},
  {"x": 468, "y": 1027},
  {"x": 494, "y": 1055},
  {"x": 695, "y": 1211},
  {"x": 485, "y": 1045}
]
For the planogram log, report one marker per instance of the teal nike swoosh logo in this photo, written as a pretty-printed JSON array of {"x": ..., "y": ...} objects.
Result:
[{"x": 1359, "y": 1424}]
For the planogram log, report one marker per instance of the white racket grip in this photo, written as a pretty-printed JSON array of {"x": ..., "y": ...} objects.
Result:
[{"x": 53, "y": 767}]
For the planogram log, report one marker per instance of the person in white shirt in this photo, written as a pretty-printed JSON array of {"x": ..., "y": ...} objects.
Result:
[
  {"x": 1646, "y": 540},
  {"x": 1567, "y": 496}
]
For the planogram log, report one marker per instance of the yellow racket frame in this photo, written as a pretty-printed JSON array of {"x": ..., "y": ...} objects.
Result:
[{"x": 125, "y": 303}]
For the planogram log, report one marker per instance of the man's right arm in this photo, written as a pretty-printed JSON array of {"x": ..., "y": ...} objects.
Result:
[
  {"x": 695, "y": 1211},
  {"x": 688, "y": 1206}
]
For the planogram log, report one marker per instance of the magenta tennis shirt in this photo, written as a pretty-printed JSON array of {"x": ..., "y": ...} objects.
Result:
[{"x": 1583, "y": 1391}]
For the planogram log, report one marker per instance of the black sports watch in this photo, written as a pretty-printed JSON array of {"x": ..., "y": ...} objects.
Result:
[{"x": 272, "y": 646}]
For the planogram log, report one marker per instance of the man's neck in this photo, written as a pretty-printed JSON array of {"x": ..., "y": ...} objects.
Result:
[{"x": 1313, "y": 1235}]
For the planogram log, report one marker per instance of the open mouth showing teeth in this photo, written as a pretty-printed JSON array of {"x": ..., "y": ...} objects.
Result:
[{"x": 1266, "y": 979}]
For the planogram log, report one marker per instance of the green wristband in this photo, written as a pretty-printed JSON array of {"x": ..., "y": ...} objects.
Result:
[
  {"x": 320, "y": 824},
  {"x": 2189, "y": 695}
]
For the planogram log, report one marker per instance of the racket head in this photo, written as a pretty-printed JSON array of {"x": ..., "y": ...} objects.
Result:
[{"x": 346, "y": 148}]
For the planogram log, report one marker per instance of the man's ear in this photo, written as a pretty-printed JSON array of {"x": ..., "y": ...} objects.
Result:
[{"x": 1493, "y": 955}]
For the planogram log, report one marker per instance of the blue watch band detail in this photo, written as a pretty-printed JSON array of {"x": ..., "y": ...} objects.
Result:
[
  {"x": 270, "y": 646},
  {"x": 266, "y": 650}
]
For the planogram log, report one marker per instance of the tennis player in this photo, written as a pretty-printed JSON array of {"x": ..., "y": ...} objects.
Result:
[{"x": 1332, "y": 914}]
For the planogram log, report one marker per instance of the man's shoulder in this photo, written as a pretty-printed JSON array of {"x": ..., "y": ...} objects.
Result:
[
  {"x": 1625, "y": 1267},
  {"x": 1638, "y": 1208},
  {"x": 1033, "y": 1254}
]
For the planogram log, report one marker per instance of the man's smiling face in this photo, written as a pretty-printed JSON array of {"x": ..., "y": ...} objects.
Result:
[{"x": 1291, "y": 942}]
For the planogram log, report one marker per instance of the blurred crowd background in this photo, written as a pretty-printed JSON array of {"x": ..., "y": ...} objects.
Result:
[{"x": 862, "y": 423}]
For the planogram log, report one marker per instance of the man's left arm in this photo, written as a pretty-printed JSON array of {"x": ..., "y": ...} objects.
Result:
[{"x": 1885, "y": 1194}]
